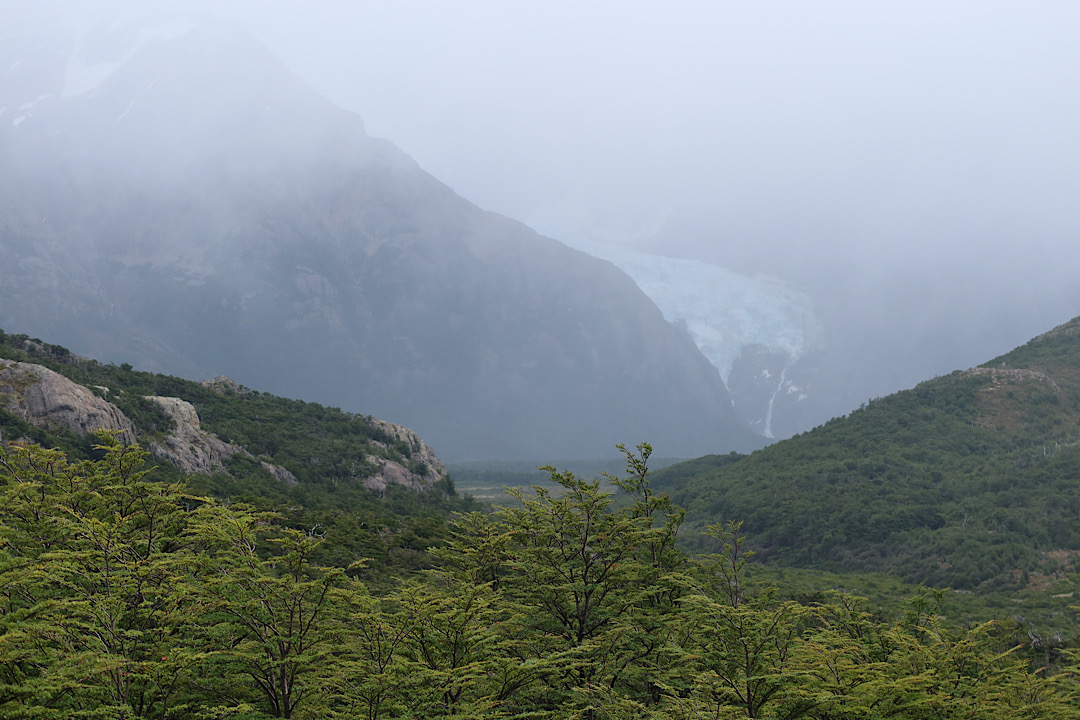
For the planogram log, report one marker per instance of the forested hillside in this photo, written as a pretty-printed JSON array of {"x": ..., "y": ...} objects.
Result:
[
  {"x": 284, "y": 583},
  {"x": 970, "y": 480},
  {"x": 334, "y": 462},
  {"x": 128, "y": 598}
]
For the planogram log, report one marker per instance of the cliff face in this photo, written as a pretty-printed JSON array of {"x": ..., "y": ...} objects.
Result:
[{"x": 201, "y": 212}]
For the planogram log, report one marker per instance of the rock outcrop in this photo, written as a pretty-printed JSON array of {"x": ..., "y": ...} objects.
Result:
[
  {"x": 997, "y": 375},
  {"x": 194, "y": 450},
  {"x": 427, "y": 467},
  {"x": 224, "y": 385},
  {"x": 189, "y": 447},
  {"x": 47, "y": 399},
  {"x": 280, "y": 473}
]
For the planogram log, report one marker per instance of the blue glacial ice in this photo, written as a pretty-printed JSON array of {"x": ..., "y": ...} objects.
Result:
[{"x": 723, "y": 311}]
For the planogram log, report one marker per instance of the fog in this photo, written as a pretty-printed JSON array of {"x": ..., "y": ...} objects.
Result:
[{"x": 913, "y": 168}]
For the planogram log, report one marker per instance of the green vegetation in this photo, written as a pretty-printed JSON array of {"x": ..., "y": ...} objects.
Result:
[
  {"x": 330, "y": 453},
  {"x": 493, "y": 480},
  {"x": 126, "y": 598},
  {"x": 131, "y": 592},
  {"x": 969, "y": 481}
]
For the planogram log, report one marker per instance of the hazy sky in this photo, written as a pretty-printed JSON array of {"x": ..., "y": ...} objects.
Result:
[
  {"x": 913, "y": 165},
  {"x": 839, "y": 118}
]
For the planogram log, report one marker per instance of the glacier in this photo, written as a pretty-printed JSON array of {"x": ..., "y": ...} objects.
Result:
[{"x": 723, "y": 311}]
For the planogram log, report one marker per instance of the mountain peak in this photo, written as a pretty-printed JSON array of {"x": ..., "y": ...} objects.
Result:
[{"x": 102, "y": 50}]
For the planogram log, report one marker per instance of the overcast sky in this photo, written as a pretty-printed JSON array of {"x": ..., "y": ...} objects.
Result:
[
  {"x": 828, "y": 117},
  {"x": 911, "y": 164}
]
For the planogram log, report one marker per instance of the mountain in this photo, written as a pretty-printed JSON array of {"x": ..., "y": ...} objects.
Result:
[
  {"x": 970, "y": 480},
  {"x": 173, "y": 197}
]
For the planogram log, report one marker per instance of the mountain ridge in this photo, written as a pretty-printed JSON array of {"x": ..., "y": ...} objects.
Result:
[{"x": 55, "y": 403}]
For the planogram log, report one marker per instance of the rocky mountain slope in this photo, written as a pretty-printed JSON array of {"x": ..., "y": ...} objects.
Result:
[
  {"x": 970, "y": 480},
  {"x": 173, "y": 197}
]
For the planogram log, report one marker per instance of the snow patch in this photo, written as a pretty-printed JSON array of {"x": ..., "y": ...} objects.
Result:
[
  {"x": 126, "y": 110},
  {"x": 26, "y": 107},
  {"x": 35, "y": 101}
]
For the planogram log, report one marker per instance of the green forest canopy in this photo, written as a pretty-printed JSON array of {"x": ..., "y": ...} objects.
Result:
[{"x": 128, "y": 598}]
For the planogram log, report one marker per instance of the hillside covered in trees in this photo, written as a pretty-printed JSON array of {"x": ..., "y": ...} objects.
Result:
[
  {"x": 129, "y": 598},
  {"x": 968, "y": 481},
  {"x": 284, "y": 583},
  {"x": 331, "y": 459}
]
